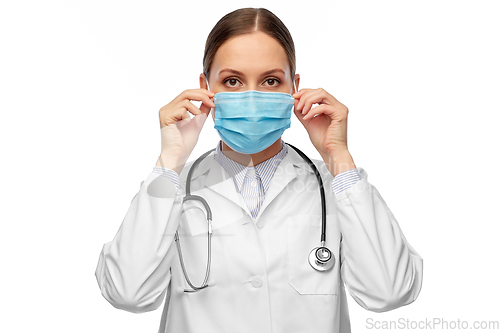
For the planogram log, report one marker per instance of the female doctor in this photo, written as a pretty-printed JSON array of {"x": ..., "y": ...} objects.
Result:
[{"x": 247, "y": 238}]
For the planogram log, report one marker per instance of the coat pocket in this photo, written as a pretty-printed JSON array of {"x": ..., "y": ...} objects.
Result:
[{"x": 304, "y": 234}]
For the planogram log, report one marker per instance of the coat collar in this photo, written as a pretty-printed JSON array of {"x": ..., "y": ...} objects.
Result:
[{"x": 220, "y": 182}]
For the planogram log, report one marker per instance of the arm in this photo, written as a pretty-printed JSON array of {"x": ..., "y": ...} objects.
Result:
[
  {"x": 133, "y": 271},
  {"x": 380, "y": 268}
]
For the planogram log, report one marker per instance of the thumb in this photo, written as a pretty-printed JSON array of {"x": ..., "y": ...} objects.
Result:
[{"x": 300, "y": 116}]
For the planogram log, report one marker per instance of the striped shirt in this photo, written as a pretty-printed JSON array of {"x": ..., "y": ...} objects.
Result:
[{"x": 253, "y": 181}]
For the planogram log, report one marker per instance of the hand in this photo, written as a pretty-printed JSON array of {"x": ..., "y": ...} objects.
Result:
[
  {"x": 325, "y": 123},
  {"x": 179, "y": 133}
]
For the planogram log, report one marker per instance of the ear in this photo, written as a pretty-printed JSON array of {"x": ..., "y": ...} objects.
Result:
[
  {"x": 203, "y": 81},
  {"x": 296, "y": 80}
]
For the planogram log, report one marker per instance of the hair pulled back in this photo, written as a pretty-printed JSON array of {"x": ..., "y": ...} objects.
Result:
[{"x": 243, "y": 21}]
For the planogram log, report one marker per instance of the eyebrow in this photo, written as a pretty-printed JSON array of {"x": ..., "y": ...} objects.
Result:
[{"x": 263, "y": 74}]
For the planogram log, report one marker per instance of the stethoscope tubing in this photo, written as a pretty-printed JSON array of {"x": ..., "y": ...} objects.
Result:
[
  {"x": 188, "y": 197},
  {"x": 315, "y": 261},
  {"x": 209, "y": 263},
  {"x": 321, "y": 191}
]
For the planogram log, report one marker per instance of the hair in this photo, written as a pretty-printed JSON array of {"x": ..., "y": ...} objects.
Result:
[{"x": 243, "y": 21}]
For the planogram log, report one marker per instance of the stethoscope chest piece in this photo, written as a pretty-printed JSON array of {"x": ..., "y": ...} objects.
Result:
[{"x": 321, "y": 259}]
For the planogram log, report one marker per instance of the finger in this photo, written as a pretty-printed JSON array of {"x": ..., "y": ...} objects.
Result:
[
  {"x": 180, "y": 113},
  {"x": 205, "y": 108},
  {"x": 193, "y": 125},
  {"x": 185, "y": 115},
  {"x": 174, "y": 117},
  {"x": 190, "y": 107},
  {"x": 295, "y": 103},
  {"x": 304, "y": 97},
  {"x": 321, "y": 109},
  {"x": 196, "y": 95},
  {"x": 184, "y": 122},
  {"x": 300, "y": 116},
  {"x": 300, "y": 92},
  {"x": 317, "y": 97},
  {"x": 206, "y": 100},
  {"x": 326, "y": 98},
  {"x": 202, "y": 95},
  {"x": 200, "y": 119},
  {"x": 297, "y": 96},
  {"x": 194, "y": 110}
]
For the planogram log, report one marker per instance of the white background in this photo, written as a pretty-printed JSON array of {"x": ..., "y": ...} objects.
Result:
[{"x": 82, "y": 83}]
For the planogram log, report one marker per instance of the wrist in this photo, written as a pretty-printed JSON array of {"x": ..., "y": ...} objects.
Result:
[
  {"x": 338, "y": 161},
  {"x": 169, "y": 161}
]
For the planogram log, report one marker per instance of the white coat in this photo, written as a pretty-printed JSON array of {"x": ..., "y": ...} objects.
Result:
[{"x": 260, "y": 275}]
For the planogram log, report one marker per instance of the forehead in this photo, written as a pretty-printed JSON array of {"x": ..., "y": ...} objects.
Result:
[{"x": 251, "y": 53}]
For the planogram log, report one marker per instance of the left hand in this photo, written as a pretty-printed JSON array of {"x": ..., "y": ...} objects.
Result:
[{"x": 325, "y": 123}]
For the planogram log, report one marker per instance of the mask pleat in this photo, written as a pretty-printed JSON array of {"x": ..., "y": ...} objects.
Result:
[{"x": 251, "y": 121}]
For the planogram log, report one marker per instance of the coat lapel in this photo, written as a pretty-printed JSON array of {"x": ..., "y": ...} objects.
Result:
[
  {"x": 284, "y": 174},
  {"x": 220, "y": 182}
]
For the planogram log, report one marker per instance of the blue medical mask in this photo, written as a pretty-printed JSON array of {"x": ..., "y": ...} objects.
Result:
[{"x": 250, "y": 121}]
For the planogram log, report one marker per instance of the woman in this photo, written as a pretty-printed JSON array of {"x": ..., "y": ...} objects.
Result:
[{"x": 265, "y": 203}]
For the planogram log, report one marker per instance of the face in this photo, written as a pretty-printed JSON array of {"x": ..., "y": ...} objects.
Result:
[{"x": 253, "y": 61}]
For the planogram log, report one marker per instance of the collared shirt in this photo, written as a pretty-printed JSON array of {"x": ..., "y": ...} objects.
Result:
[{"x": 253, "y": 182}]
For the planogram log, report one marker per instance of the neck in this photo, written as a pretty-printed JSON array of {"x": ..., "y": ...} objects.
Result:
[{"x": 252, "y": 159}]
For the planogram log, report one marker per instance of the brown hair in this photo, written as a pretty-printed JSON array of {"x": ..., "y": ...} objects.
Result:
[{"x": 243, "y": 21}]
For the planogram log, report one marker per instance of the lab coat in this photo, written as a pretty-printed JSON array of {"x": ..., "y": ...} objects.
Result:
[{"x": 261, "y": 280}]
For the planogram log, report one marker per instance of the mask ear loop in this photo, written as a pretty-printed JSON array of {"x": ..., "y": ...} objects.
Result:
[
  {"x": 295, "y": 86},
  {"x": 208, "y": 87}
]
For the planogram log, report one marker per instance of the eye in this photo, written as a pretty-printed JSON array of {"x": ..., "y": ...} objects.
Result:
[
  {"x": 272, "y": 82},
  {"x": 231, "y": 82}
]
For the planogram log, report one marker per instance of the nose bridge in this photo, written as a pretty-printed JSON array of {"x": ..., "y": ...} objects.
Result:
[{"x": 252, "y": 83}]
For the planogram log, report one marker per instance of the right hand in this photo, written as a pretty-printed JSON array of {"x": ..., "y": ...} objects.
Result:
[{"x": 179, "y": 133}]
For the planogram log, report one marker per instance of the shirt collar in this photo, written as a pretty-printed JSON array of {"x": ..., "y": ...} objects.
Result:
[{"x": 238, "y": 172}]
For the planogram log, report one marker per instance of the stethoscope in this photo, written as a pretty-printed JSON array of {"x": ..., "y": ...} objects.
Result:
[{"x": 320, "y": 258}]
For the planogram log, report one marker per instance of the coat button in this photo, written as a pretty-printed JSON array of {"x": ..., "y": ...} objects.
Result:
[{"x": 257, "y": 281}]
